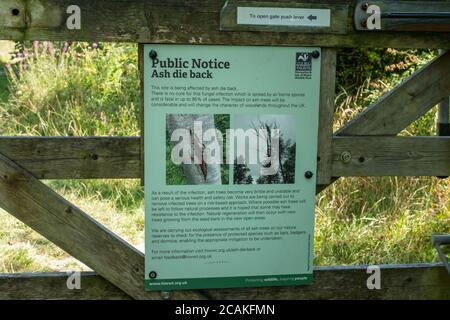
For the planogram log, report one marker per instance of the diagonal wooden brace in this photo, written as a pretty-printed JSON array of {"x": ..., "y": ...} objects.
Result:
[
  {"x": 401, "y": 106},
  {"x": 74, "y": 231},
  {"x": 406, "y": 103}
]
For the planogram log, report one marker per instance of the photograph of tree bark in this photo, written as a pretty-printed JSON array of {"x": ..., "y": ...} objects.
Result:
[{"x": 199, "y": 170}]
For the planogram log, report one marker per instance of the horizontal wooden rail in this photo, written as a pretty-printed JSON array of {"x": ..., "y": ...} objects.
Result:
[
  {"x": 75, "y": 158},
  {"x": 53, "y": 286},
  {"x": 391, "y": 156},
  {"x": 415, "y": 281},
  {"x": 119, "y": 157},
  {"x": 179, "y": 21}
]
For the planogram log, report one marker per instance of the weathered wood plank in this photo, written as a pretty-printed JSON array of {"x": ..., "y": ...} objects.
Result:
[
  {"x": 397, "y": 282},
  {"x": 119, "y": 157},
  {"x": 46, "y": 212},
  {"x": 75, "y": 158},
  {"x": 404, "y": 104},
  {"x": 416, "y": 281},
  {"x": 326, "y": 112},
  {"x": 398, "y": 108},
  {"x": 391, "y": 156},
  {"x": 180, "y": 21},
  {"x": 142, "y": 114},
  {"x": 52, "y": 286}
]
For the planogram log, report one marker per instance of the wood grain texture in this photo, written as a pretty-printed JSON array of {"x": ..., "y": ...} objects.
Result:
[
  {"x": 405, "y": 103},
  {"x": 397, "y": 282},
  {"x": 392, "y": 156},
  {"x": 392, "y": 113},
  {"x": 415, "y": 281},
  {"x": 142, "y": 114},
  {"x": 326, "y": 112},
  {"x": 181, "y": 21},
  {"x": 119, "y": 157},
  {"x": 52, "y": 286},
  {"x": 74, "y": 231},
  {"x": 75, "y": 158}
]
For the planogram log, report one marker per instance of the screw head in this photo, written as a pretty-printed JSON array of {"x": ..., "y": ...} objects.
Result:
[
  {"x": 364, "y": 6},
  {"x": 153, "y": 54},
  {"x": 315, "y": 54},
  {"x": 308, "y": 174},
  {"x": 346, "y": 156},
  {"x": 364, "y": 23},
  {"x": 165, "y": 295},
  {"x": 152, "y": 274}
]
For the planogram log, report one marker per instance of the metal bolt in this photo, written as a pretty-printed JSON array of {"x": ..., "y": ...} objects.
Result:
[
  {"x": 364, "y": 23},
  {"x": 152, "y": 274},
  {"x": 364, "y": 6},
  {"x": 315, "y": 54},
  {"x": 346, "y": 156},
  {"x": 165, "y": 295},
  {"x": 308, "y": 174},
  {"x": 153, "y": 54}
]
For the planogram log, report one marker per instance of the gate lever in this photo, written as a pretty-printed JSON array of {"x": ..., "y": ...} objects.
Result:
[
  {"x": 416, "y": 15},
  {"x": 444, "y": 118},
  {"x": 440, "y": 240},
  {"x": 394, "y": 15}
]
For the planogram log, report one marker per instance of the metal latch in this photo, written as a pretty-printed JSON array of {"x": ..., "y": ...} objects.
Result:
[
  {"x": 440, "y": 240},
  {"x": 392, "y": 15}
]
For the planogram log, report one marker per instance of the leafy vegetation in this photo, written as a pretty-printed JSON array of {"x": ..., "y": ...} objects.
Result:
[
  {"x": 94, "y": 90},
  {"x": 84, "y": 91}
]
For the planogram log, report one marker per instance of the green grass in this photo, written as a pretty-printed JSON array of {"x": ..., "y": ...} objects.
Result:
[
  {"x": 96, "y": 92},
  {"x": 4, "y": 92},
  {"x": 381, "y": 220},
  {"x": 85, "y": 92}
]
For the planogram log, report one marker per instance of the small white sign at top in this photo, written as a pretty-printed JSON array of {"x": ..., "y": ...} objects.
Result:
[{"x": 284, "y": 16}]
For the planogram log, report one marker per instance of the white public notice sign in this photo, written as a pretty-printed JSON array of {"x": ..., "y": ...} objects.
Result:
[
  {"x": 230, "y": 165},
  {"x": 304, "y": 17}
]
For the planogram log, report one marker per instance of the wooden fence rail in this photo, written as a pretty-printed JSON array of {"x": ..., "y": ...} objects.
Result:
[
  {"x": 119, "y": 157},
  {"x": 177, "y": 21},
  {"x": 418, "y": 281}
]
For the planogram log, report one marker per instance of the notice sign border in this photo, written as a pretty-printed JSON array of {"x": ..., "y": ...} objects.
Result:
[{"x": 230, "y": 225}]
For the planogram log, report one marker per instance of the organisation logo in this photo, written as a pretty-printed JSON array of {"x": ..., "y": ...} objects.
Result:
[{"x": 303, "y": 65}]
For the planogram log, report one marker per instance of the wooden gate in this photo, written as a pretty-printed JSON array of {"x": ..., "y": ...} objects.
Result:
[{"x": 366, "y": 146}]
